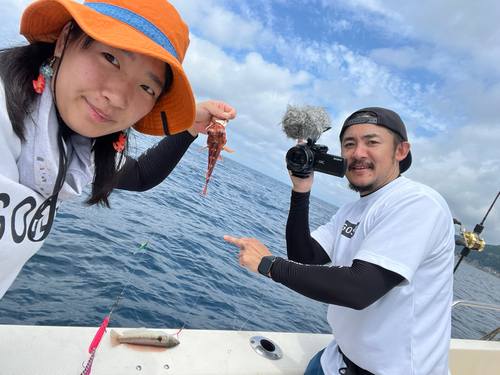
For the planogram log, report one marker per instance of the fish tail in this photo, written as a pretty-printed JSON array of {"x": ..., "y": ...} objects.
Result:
[
  {"x": 208, "y": 175},
  {"x": 114, "y": 338}
]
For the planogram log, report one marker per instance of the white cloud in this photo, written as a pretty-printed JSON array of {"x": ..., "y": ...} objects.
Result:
[
  {"x": 465, "y": 170},
  {"x": 222, "y": 26},
  {"x": 468, "y": 30},
  {"x": 258, "y": 89},
  {"x": 402, "y": 58},
  {"x": 435, "y": 63}
]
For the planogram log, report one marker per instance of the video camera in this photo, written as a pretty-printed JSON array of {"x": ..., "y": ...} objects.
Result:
[
  {"x": 302, "y": 159},
  {"x": 309, "y": 123}
]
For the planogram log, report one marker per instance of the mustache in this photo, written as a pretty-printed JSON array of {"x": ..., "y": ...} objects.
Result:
[{"x": 358, "y": 163}]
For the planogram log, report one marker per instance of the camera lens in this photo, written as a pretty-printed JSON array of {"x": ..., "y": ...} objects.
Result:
[{"x": 300, "y": 159}]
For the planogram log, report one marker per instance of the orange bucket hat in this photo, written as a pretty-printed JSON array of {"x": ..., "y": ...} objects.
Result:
[{"x": 150, "y": 27}]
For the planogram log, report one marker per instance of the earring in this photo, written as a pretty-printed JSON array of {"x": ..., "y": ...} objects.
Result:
[
  {"x": 46, "y": 72},
  {"x": 120, "y": 145}
]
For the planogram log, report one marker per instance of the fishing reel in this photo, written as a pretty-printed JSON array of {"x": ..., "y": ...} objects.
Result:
[{"x": 470, "y": 240}]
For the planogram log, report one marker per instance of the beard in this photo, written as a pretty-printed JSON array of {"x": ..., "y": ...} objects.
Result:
[
  {"x": 368, "y": 187},
  {"x": 360, "y": 188}
]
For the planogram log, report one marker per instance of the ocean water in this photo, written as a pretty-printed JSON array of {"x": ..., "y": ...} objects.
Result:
[{"x": 188, "y": 275}]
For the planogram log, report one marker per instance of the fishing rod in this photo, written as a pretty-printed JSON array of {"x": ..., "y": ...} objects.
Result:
[{"x": 471, "y": 240}]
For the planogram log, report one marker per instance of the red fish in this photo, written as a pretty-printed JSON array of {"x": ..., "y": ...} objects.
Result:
[{"x": 216, "y": 140}]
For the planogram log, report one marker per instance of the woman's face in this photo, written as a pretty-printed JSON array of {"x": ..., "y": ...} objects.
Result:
[{"x": 102, "y": 89}]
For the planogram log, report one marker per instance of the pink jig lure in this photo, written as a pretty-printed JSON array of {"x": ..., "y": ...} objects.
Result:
[{"x": 88, "y": 367}]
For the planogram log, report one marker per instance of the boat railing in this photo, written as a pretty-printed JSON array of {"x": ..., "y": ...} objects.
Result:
[
  {"x": 490, "y": 336},
  {"x": 475, "y": 304}
]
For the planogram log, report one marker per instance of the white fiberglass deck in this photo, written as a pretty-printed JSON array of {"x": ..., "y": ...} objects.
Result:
[{"x": 43, "y": 350}]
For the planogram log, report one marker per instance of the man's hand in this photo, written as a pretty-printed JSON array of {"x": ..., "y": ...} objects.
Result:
[
  {"x": 302, "y": 185},
  {"x": 251, "y": 253}
]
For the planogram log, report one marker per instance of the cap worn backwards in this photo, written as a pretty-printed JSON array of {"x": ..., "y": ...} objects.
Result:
[
  {"x": 149, "y": 27},
  {"x": 386, "y": 118}
]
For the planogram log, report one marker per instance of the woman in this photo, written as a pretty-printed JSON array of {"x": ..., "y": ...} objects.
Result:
[{"x": 91, "y": 72}]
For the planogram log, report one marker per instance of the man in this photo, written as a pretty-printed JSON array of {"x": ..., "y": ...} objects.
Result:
[{"x": 390, "y": 281}]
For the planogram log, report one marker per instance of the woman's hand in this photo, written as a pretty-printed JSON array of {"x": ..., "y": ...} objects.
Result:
[{"x": 206, "y": 111}]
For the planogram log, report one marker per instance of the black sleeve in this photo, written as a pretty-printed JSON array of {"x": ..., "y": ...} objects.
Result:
[
  {"x": 356, "y": 287},
  {"x": 300, "y": 246},
  {"x": 153, "y": 166}
]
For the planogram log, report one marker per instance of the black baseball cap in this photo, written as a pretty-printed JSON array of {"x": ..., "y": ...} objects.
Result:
[{"x": 386, "y": 118}]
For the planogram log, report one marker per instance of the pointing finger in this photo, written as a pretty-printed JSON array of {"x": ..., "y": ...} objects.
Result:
[{"x": 233, "y": 240}]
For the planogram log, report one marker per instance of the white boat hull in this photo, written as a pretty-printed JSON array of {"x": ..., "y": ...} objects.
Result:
[{"x": 44, "y": 350}]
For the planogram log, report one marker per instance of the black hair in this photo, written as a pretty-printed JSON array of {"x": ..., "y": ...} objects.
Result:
[{"x": 19, "y": 66}]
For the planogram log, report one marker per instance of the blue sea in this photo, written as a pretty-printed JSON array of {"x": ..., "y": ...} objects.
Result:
[{"x": 188, "y": 275}]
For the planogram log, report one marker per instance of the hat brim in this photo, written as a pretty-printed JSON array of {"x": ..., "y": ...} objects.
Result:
[{"x": 44, "y": 20}]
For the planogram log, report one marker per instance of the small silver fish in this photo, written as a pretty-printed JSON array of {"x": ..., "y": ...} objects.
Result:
[{"x": 144, "y": 337}]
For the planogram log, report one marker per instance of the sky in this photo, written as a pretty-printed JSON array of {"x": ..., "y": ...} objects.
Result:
[{"x": 434, "y": 62}]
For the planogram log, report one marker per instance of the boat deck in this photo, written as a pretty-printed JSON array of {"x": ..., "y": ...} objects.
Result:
[{"x": 45, "y": 350}]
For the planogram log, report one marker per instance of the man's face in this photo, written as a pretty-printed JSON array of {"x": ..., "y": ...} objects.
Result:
[{"x": 372, "y": 161}]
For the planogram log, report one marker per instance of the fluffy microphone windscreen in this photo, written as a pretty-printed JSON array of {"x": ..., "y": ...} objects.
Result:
[{"x": 305, "y": 122}]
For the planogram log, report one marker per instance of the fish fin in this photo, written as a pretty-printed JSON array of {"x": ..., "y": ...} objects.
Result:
[
  {"x": 226, "y": 149},
  {"x": 205, "y": 190},
  {"x": 135, "y": 330},
  {"x": 219, "y": 158},
  {"x": 202, "y": 148},
  {"x": 114, "y": 338}
]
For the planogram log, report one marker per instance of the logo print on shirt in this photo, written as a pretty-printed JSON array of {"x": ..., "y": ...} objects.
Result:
[{"x": 349, "y": 229}]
